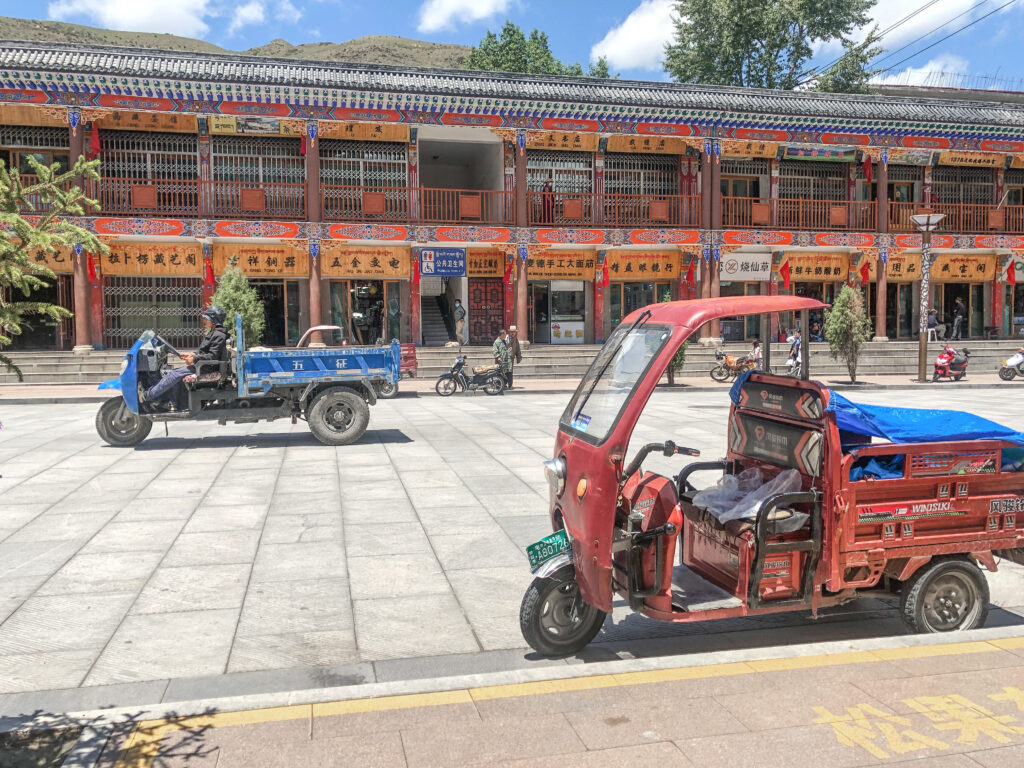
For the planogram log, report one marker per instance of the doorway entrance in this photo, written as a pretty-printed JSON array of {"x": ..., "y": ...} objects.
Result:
[
  {"x": 486, "y": 308},
  {"x": 40, "y": 332},
  {"x": 280, "y": 299},
  {"x": 973, "y": 295},
  {"x": 540, "y": 313},
  {"x": 624, "y": 298},
  {"x": 899, "y": 311}
]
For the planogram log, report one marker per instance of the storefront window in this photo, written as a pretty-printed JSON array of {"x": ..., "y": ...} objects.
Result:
[
  {"x": 629, "y": 297},
  {"x": 1018, "y": 310},
  {"x": 568, "y": 312},
  {"x": 368, "y": 311}
]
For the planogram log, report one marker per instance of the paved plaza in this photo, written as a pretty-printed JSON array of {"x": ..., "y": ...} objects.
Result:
[{"x": 247, "y": 558}]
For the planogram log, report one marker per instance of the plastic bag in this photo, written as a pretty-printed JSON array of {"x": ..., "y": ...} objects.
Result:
[
  {"x": 746, "y": 508},
  {"x": 729, "y": 490},
  {"x": 793, "y": 522}
]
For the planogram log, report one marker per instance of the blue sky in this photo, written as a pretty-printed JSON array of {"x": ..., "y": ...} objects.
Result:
[{"x": 631, "y": 33}]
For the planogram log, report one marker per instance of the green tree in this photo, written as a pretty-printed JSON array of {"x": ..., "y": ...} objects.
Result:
[
  {"x": 50, "y": 203},
  {"x": 513, "y": 51},
  {"x": 847, "y": 328},
  {"x": 675, "y": 365},
  {"x": 761, "y": 43},
  {"x": 852, "y": 72},
  {"x": 234, "y": 294}
]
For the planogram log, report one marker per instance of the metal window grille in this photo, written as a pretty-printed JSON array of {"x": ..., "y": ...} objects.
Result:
[
  {"x": 899, "y": 172},
  {"x": 33, "y": 137},
  {"x": 140, "y": 155},
  {"x": 641, "y": 174},
  {"x": 571, "y": 172},
  {"x": 744, "y": 166},
  {"x": 1014, "y": 177},
  {"x": 171, "y": 306},
  {"x": 802, "y": 179},
  {"x": 257, "y": 159},
  {"x": 364, "y": 163},
  {"x": 953, "y": 184}
]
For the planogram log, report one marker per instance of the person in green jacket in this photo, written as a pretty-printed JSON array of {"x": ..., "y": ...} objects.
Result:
[{"x": 499, "y": 349}]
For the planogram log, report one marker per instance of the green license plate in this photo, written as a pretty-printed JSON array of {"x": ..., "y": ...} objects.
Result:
[{"x": 550, "y": 546}]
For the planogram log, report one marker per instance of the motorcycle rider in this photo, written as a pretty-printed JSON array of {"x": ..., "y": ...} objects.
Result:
[
  {"x": 214, "y": 347},
  {"x": 499, "y": 350}
]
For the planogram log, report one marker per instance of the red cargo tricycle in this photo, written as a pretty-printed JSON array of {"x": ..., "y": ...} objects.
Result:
[{"x": 829, "y": 513}]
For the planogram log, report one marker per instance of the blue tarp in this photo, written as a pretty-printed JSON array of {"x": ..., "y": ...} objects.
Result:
[{"x": 916, "y": 425}]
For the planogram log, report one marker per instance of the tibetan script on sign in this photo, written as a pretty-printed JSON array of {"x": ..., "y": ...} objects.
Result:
[
  {"x": 262, "y": 260},
  {"x": 956, "y": 267},
  {"x": 157, "y": 259},
  {"x": 643, "y": 265},
  {"x": 484, "y": 262},
  {"x": 364, "y": 261},
  {"x": 561, "y": 265}
]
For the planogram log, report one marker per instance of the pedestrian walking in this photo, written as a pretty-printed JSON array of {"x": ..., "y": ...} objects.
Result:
[
  {"x": 959, "y": 313},
  {"x": 757, "y": 355},
  {"x": 499, "y": 350},
  {"x": 459, "y": 313},
  {"x": 515, "y": 352}
]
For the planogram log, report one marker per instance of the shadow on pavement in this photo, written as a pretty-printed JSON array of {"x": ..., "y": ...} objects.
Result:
[{"x": 263, "y": 440}]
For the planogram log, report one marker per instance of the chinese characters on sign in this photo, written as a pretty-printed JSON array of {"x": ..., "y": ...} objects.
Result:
[
  {"x": 338, "y": 260},
  {"x": 443, "y": 262},
  {"x": 972, "y": 159},
  {"x": 262, "y": 260},
  {"x": 750, "y": 149},
  {"x": 157, "y": 259},
  {"x": 485, "y": 262},
  {"x": 900, "y": 266},
  {"x": 364, "y": 131},
  {"x": 960, "y": 267},
  {"x": 814, "y": 267},
  {"x": 148, "y": 121},
  {"x": 561, "y": 265},
  {"x": 659, "y": 145},
  {"x": 579, "y": 142},
  {"x": 746, "y": 266},
  {"x": 643, "y": 265},
  {"x": 59, "y": 261}
]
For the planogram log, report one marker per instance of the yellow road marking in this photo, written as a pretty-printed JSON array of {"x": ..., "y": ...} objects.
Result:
[{"x": 143, "y": 745}]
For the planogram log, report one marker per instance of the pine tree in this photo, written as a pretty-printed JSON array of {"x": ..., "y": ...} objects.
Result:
[
  {"x": 37, "y": 218},
  {"x": 235, "y": 295},
  {"x": 847, "y": 328}
]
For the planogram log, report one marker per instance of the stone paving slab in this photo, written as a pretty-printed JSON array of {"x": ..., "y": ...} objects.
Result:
[{"x": 253, "y": 549}]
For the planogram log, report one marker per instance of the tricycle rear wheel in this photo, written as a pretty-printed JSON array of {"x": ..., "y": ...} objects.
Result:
[
  {"x": 120, "y": 427},
  {"x": 949, "y": 595},
  {"x": 338, "y": 417},
  {"x": 387, "y": 391},
  {"x": 546, "y": 615}
]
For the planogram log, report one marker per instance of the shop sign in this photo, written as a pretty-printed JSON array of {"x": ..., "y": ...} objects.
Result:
[
  {"x": 485, "y": 262},
  {"x": 764, "y": 149},
  {"x": 972, "y": 159},
  {"x": 579, "y": 142},
  {"x": 443, "y": 262},
  {"x": 231, "y": 125},
  {"x": 815, "y": 267},
  {"x": 956, "y": 267},
  {"x": 561, "y": 265},
  {"x": 262, "y": 260},
  {"x": 338, "y": 260},
  {"x": 803, "y": 152},
  {"x": 899, "y": 267},
  {"x": 148, "y": 121},
  {"x": 364, "y": 131},
  {"x": 658, "y": 145},
  {"x": 157, "y": 259},
  {"x": 60, "y": 261},
  {"x": 643, "y": 265},
  {"x": 746, "y": 266},
  {"x": 22, "y": 114},
  {"x": 567, "y": 331}
]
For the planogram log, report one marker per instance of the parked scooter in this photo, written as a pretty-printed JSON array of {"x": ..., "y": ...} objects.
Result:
[
  {"x": 1013, "y": 367},
  {"x": 486, "y": 377},
  {"x": 731, "y": 366},
  {"x": 951, "y": 364}
]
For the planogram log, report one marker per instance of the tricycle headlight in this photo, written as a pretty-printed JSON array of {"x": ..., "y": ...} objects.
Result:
[
  {"x": 124, "y": 365},
  {"x": 554, "y": 470}
]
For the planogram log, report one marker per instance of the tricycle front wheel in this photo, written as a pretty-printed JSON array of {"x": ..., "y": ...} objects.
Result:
[
  {"x": 120, "y": 427},
  {"x": 554, "y": 620},
  {"x": 338, "y": 417},
  {"x": 948, "y": 595}
]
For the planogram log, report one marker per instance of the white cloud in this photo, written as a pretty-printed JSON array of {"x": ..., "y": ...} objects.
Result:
[
  {"x": 639, "y": 41},
  {"x": 178, "y": 17},
  {"x": 445, "y": 14},
  {"x": 251, "y": 12},
  {"x": 930, "y": 73},
  {"x": 286, "y": 11}
]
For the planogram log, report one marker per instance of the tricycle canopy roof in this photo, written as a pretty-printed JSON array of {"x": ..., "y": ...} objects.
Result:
[{"x": 693, "y": 314}]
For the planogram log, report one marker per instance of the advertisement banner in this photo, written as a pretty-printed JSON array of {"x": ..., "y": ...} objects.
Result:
[
  {"x": 337, "y": 260},
  {"x": 443, "y": 262},
  {"x": 736, "y": 267},
  {"x": 157, "y": 259},
  {"x": 230, "y": 125},
  {"x": 262, "y": 260}
]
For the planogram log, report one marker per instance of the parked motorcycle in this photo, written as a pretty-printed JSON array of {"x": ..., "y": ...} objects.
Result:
[
  {"x": 489, "y": 378},
  {"x": 731, "y": 366},
  {"x": 1013, "y": 367},
  {"x": 951, "y": 364}
]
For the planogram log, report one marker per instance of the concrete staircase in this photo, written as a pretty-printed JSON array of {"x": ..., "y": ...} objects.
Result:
[
  {"x": 884, "y": 358},
  {"x": 435, "y": 333}
]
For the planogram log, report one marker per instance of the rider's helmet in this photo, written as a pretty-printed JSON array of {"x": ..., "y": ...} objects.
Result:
[{"x": 215, "y": 315}]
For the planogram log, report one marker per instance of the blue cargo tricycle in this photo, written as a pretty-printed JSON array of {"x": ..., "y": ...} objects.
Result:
[{"x": 330, "y": 388}]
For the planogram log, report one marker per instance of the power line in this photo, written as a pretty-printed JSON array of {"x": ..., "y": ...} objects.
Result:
[
  {"x": 951, "y": 34},
  {"x": 930, "y": 32}
]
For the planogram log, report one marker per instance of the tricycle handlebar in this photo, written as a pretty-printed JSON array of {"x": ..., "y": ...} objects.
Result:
[{"x": 668, "y": 448}]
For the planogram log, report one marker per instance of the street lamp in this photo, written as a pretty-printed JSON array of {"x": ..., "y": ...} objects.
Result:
[{"x": 926, "y": 223}]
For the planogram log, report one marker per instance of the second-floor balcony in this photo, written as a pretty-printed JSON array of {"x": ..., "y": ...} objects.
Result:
[
  {"x": 817, "y": 215},
  {"x": 613, "y": 209},
  {"x": 961, "y": 217},
  {"x": 420, "y": 204},
  {"x": 191, "y": 197}
]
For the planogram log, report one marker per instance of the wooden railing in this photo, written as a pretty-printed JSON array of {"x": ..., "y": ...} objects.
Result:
[
  {"x": 172, "y": 197},
  {"x": 257, "y": 200},
  {"x": 960, "y": 217},
  {"x": 191, "y": 197},
  {"x": 426, "y": 204},
  {"x": 614, "y": 210},
  {"x": 798, "y": 214}
]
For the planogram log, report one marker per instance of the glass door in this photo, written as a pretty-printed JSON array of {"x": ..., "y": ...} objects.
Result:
[
  {"x": 541, "y": 314},
  {"x": 976, "y": 310}
]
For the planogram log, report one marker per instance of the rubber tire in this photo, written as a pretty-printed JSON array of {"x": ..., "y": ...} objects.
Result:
[
  {"x": 319, "y": 412},
  {"x": 914, "y": 589},
  {"x": 720, "y": 373},
  {"x": 492, "y": 390},
  {"x": 529, "y": 617},
  {"x": 1007, "y": 374},
  {"x": 387, "y": 391},
  {"x": 959, "y": 376},
  {"x": 935, "y": 377},
  {"x": 446, "y": 392},
  {"x": 123, "y": 439}
]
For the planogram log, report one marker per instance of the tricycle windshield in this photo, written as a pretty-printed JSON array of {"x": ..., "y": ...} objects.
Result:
[{"x": 611, "y": 380}]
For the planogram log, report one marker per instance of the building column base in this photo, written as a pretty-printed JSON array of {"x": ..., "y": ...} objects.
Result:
[
  {"x": 710, "y": 341},
  {"x": 880, "y": 338},
  {"x": 82, "y": 349}
]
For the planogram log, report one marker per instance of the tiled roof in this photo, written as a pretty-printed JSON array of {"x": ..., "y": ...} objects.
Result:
[{"x": 104, "y": 61}]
